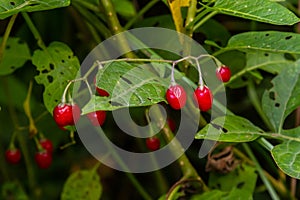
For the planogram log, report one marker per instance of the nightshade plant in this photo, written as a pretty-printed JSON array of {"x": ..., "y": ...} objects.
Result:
[{"x": 257, "y": 150}]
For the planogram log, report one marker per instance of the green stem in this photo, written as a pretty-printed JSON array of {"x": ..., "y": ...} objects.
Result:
[
  {"x": 207, "y": 17},
  {"x": 34, "y": 30},
  {"x": 190, "y": 17},
  {"x": 261, "y": 172},
  {"x": 140, "y": 13},
  {"x": 87, "y": 5},
  {"x": 256, "y": 103},
  {"x": 265, "y": 143},
  {"x": 6, "y": 35}
]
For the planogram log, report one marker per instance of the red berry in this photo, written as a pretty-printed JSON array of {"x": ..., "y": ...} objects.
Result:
[
  {"x": 223, "y": 73},
  {"x": 171, "y": 124},
  {"x": 176, "y": 96},
  {"x": 13, "y": 156},
  {"x": 97, "y": 118},
  {"x": 47, "y": 145},
  {"x": 43, "y": 159},
  {"x": 153, "y": 143},
  {"x": 66, "y": 114},
  {"x": 203, "y": 98},
  {"x": 100, "y": 91}
]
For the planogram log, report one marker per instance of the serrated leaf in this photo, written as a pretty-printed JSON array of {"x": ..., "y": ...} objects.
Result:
[
  {"x": 129, "y": 86},
  {"x": 83, "y": 184},
  {"x": 15, "y": 55},
  {"x": 287, "y": 157},
  {"x": 258, "y": 10},
  {"x": 229, "y": 128},
  {"x": 11, "y": 7},
  {"x": 56, "y": 66},
  {"x": 267, "y": 41},
  {"x": 283, "y": 97}
]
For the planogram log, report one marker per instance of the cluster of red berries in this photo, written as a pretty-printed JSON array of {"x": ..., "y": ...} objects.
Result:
[
  {"x": 176, "y": 95},
  {"x": 43, "y": 157}
]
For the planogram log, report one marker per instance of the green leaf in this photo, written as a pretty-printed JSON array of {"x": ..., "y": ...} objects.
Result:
[
  {"x": 229, "y": 128},
  {"x": 125, "y": 8},
  {"x": 279, "y": 101},
  {"x": 129, "y": 86},
  {"x": 287, "y": 157},
  {"x": 11, "y": 7},
  {"x": 56, "y": 65},
  {"x": 13, "y": 190},
  {"x": 210, "y": 195},
  {"x": 243, "y": 177},
  {"x": 258, "y": 10},
  {"x": 267, "y": 41},
  {"x": 83, "y": 184},
  {"x": 15, "y": 55}
]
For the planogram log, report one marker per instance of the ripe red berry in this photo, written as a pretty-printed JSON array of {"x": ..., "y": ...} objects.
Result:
[
  {"x": 97, "y": 118},
  {"x": 171, "y": 124},
  {"x": 223, "y": 73},
  {"x": 13, "y": 156},
  {"x": 47, "y": 145},
  {"x": 203, "y": 98},
  {"x": 176, "y": 96},
  {"x": 66, "y": 114},
  {"x": 100, "y": 91},
  {"x": 153, "y": 143},
  {"x": 43, "y": 159}
]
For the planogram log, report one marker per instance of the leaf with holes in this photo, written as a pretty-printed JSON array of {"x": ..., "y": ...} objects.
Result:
[
  {"x": 287, "y": 157},
  {"x": 283, "y": 97},
  {"x": 128, "y": 86},
  {"x": 56, "y": 65},
  {"x": 15, "y": 55},
  {"x": 258, "y": 10},
  {"x": 11, "y": 7},
  {"x": 266, "y": 41},
  {"x": 230, "y": 128},
  {"x": 83, "y": 184}
]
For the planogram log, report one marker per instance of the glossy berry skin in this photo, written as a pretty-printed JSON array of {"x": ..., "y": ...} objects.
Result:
[
  {"x": 203, "y": 98},
  {"x": 13, "y": 156},
  {"x": 100, "y": 91},
  {"x": 97, "y": 118},
  {"x": 176, "y": 96},
  {"x": 153, "y": 143},
  {"x": 47, "y": 145},
  {"x": 66, "y": 114},
  {"x": 43, "y": 159},
  {"x": 223, "y": 73}
]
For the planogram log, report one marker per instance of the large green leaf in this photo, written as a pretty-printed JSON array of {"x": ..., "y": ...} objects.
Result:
[
  {"x": 10, "y": 7},
  {"x": 287, "y": 157},
  {"x": 267, "y": 41},
  {"x": 84, "y": 184},
  {"x": 15, "y": 55},
  {"x": 129, "y": 86},
  {"x": 279, "y": 101},
  {"x": 258, "y": 10},
  {"x": 230, "y": 128},
  {"x": 56, "y": 65}
]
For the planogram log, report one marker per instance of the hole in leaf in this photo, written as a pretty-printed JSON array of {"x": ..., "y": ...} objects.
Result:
[
  {"x": 63, "y": 61},
  {"x": 288, "y": 37},
  {"x": 277, "y": 105},
  {"x": 267, "y": 34},
  {"x": 219, "y": 127},
  {"x": 12, "y": 3},
  {"x": 61, "y": 73},
  {"x": 50, "y": 79},
  {"x": 69, "y": 57},
  {"x": 21, "y": 42},
  {"x": 149, "y": 98},
  {"x": 240, "y": 185},
  {"x": 7, "y": 47},
  {"x": 51, "y": 66},
  {"x": 289, "y": 56},
  {"x": 126, "y": 80},
  {"x": 272, "y": 95},
  {"x": 12, "y": 67},
  {"x": 266, "y": 54},
  {"x": 45, "y": 71}
]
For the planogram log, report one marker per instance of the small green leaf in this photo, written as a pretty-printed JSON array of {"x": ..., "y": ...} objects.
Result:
[
  {"x": 125, "y": 8},
  {"x": 13, "y": 190},
  {"x": 129, "y": 86},
  {"x": 267, "y": 41},
  {"x": 287, "y": 157},
  {"x": 56, "y": 65},
  {"x": 258, "y": 10},
  {"x": 10, "y": 7},
  {"x": 230, "y": 128},
  {"x": 84, "y": 184},
  {"x": 15, "y": 55},
  {"x": 283, "y": 97}
]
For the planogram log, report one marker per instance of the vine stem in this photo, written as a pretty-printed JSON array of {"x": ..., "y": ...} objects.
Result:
[
  {"x": 6, "y": 35},
  {"x": 207, "y": 17},
  {"x": 261, "y": 172}
]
